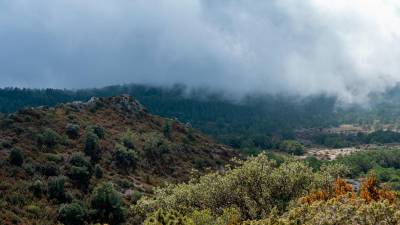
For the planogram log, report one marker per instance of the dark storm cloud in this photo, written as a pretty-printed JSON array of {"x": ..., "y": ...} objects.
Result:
[{"x": 303, "y": 47}]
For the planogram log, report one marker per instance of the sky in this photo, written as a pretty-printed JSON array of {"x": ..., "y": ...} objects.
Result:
[{"x": 349, "y": 49}]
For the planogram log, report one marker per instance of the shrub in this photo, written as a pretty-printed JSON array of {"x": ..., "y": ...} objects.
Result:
[
  {"x": 50, "y": 168},
  {"x": 167, "y": 129},
  {"x": 37, "y": 188},
  {"x": 55, "y": 158},
  {"x": 155, "y": 146},
  {"x": 72, "y": 214},
  {"x": 166, "y": 217},
  {"x": 98, "y": 171},
  {"x": 99, "y": 131},
  {"x": 92, "y": 146},
  {"x": 80, "y": 169},
  {"x": 135, "y": 196},
  {"x": 81, "y": 175},
  {"x": 125, "y": 158},
  {"x": 78, "y": 159},
  {"x": 56, "y": 188},
  {"x": 254, "y": 188},
  {"x": 33, "y": 210},
  {"x": 203, "y": 217},
  {"x": 72, "y": 131},
  {"x": 292, "y": 147},
  {"x": 16, "y": 157},
  {"x": 107, "y": 204},
  {"x": 128, "y": 139},
  {"x": 30, "y": 169},
  {"x": 49, "y": 138}
]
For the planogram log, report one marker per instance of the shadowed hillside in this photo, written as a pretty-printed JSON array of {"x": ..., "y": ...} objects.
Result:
[{"x": 52, "y": 156}]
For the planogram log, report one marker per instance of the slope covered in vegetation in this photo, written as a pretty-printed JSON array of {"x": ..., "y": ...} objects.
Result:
[
  {"x": 260, "y": 191},
  {"x": 87, "y": 162},
  {"x": 249, "y": 122}
]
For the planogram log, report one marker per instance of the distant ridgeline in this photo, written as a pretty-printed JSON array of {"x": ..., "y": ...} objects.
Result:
[{"x": 233, "y": 122}]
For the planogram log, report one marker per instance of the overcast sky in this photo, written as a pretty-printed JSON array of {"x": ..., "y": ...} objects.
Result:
[{"x": 346, "y": 48}]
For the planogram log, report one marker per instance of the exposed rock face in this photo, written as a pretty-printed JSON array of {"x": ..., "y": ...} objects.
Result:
[{"x": 124, "y": 104}]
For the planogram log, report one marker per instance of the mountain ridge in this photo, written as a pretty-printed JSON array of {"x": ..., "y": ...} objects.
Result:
[{"x": 135, "y": 150}]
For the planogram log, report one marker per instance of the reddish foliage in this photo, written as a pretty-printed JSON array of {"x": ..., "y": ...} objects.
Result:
[{"x": 370, "y": 191}]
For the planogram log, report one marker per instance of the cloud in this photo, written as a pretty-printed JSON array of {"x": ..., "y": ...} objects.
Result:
[{"x": 344, "y": 48}]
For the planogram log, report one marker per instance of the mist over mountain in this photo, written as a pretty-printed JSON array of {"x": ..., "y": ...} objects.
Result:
[{"x": 346, "y": 49}]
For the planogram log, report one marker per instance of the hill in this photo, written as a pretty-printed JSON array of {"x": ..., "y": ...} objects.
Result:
[
  {"x": 251, "y": 123},
  {"x": 71, "y": 153},
  {"x": 238, "y": 123}
]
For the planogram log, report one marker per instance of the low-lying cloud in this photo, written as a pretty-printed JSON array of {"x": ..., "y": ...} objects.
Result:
[{"x": 345, "y": 48}]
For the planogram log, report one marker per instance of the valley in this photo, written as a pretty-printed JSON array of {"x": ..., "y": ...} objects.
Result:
[{"x": 63, "y": 157}]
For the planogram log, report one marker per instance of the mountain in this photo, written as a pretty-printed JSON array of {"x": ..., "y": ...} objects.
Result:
[
  {"x": 235, "y": 122},
  {"x": 251, "y": 123},
  {"x": 71, "y": 153}
]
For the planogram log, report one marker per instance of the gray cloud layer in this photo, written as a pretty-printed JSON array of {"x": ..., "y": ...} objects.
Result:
[{"x": 344, "y": 48}]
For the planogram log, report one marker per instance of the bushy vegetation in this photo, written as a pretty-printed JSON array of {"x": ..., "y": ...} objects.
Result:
[
  {"x": 56, "y": 188},
  {"x": 72, "y": 213},
  {"x": 59, "y": 179},
  {"x": 155, "y": 146},
  {"x": 125, "y": 158},
  {"x": 16, "y": 157},
  {"x": 341, "y": 140},
  {"x": 99, "y": 131},
  {"x": 72, "y": 131},
  {"x": 92, "y": 146},
  {"x": 98, "y": 171},
  {"x": 259, "y": 192},
  {"x": 254, "y": 189},
  {"x": 50, "y": 168},
  {"x": 292, "y": 147},
  {"x": 107, "y": 204},
  {"x": 128, "y": 140},
  {"x": 49, "y": 138},
  {"x": 210, "y": 112},
  {"x": 385, "y": 163},
  {"x": 37, "y": 188},
  {"x": 79, "y": 169}
]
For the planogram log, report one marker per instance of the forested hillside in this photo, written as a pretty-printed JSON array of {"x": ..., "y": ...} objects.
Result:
[
  {"x": 90, "y": 161},
  {"x": 235, "y": 122},
  {"x": 252, "y": 122}
]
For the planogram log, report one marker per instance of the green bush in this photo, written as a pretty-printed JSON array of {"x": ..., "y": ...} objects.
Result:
[
  {"x": 81, "y": 175},
  {"x": 79, "y": 160},
  {"x": 33, "y": 210},
  {"x": 80, "y": 169},
  {"x": 128, "y": 139},
  {"x": 16, "y": 157},
  {"x": 49, "y": 138},
  {"x": 99, "y": 131},
  {"x": 37, "y": 188},
  {"x": 292, "y": 147},
  {"x": 30, "y": 169},
  {"x": 72, "y": 131},
  {"x": 162, "y": 217},
  {"x": 125, "y": 158},
  {"x": 167, "y": 129},
  {"x": 56, "y": 188},
  {"x": 92, "y": 146},
  {"x": 107, "y": 204},
  {"x": 72, "y": 214},
  {"x": 155, "y": 146},
  {"x": 98, "y": 171},
  {"x": 50, "y": 168},
  {"x": 255, "y": 188}
]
